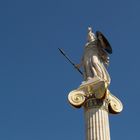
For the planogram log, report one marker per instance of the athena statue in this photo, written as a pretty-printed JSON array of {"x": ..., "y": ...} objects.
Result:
[{"x": 95, "y": 58}]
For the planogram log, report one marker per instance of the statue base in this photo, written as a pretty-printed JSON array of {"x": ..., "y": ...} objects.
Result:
[{"x": 96, "y": 89}]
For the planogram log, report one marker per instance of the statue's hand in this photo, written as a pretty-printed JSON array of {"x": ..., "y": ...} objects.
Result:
[{"x": 78, "y": 66}]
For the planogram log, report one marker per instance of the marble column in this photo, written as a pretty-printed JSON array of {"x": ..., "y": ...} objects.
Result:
[
  {"x": 96, "y": 119},
  {"x": 97, "y": 102}
]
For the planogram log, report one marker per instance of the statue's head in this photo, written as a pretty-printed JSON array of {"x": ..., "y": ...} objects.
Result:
[
  {"x": 91, "y": 37},
  {"x": 89, "y": 29}
]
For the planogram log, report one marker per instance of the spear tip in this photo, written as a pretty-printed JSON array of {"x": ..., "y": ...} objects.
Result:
[{"x": 61, "y": 51}]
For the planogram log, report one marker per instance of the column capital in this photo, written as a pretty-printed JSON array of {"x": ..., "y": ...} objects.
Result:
[
  {"x": 95, "y": 94},
  {"x": 96, "y": 103}
]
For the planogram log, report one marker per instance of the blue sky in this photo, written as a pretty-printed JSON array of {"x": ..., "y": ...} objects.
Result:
[{"x": 35, "y": 79}]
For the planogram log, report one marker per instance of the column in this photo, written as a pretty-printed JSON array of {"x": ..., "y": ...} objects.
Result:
[{"x": 96, "y": 119}]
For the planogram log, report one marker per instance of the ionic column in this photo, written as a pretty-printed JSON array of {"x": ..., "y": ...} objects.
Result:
[
  {"x": 96, "y": 120},
  {"x": 97, "y": 102}
]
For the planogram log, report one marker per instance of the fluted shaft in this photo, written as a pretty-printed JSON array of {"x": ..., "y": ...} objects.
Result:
[{"x": 96, "y": 120}]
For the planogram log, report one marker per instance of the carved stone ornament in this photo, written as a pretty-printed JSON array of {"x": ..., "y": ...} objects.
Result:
[
  {"x": 93, "y": 89},
  {"x": 96, "y": 90},
  {"x": 115, "y": 105},
  {"x": 76, "y": 98}
]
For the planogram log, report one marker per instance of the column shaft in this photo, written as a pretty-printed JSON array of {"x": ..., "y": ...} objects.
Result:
[{"x": 96, "y": 121}]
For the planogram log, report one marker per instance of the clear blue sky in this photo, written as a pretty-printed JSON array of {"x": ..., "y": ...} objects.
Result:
[{"x": 35, "y": 79}]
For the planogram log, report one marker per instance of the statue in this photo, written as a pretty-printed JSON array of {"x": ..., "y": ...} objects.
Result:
[
  {"x": 93, "y": 93},
  {"x": 95, "y": 57},
  {"x": 94, "y": 61},
  {"x": 94, "y": 88}
]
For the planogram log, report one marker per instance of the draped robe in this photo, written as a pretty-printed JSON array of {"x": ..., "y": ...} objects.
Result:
[{"x": 93, "y": 65}]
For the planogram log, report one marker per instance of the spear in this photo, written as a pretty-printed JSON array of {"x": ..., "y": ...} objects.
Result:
[{"x": 64, "y": 54}]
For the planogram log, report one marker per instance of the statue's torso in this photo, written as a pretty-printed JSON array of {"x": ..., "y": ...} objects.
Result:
[{"x": 90, "y": 50}]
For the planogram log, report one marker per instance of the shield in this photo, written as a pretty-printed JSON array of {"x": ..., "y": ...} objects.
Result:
[{"x": 104, "y": 42}]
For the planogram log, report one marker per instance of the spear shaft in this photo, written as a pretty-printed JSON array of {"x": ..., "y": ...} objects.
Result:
[{"x": 64, "y": 54}]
